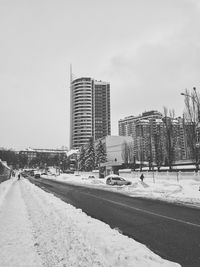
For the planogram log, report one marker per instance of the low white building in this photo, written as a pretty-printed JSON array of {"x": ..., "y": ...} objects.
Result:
[{"x": 114, "y": 151}]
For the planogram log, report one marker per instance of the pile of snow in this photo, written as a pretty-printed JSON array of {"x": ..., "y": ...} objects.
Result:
[
  {"x": 4, "y": 188},
  {"x": 57, "y": 234},
  {"x": 186, "y": 191},
  {"x": 72, "y": 152},
  {"x": 16, "y": 236}
]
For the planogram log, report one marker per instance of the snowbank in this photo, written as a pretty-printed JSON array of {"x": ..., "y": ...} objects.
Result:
[
  {"x": 68, "y": 237},
  {"x": 53, "y": 233},
  {"x": 16, "y": 237},
  {"x": 4, "y": 188},
  {"x": 185, "y": 191}
]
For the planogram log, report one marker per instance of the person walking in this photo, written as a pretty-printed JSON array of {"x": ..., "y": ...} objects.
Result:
[
  {"x": 142, "y": 177},
  {"x": 19, "y": 176}
]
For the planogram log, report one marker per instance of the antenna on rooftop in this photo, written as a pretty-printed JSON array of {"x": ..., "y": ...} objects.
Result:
[
  {"x": 71, "y": 78},
  {"x": 70, "y": 131}
]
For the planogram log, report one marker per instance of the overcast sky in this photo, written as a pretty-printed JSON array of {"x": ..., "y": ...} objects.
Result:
[{"x": 149, "y": 51}]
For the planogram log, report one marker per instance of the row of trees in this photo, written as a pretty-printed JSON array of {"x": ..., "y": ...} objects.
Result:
[
  {"x": 42, "y": 160},
  {"x": 192, "y": 115},
  {"x": 13, "y": 159},
  {"x": 91, "y": 156}
]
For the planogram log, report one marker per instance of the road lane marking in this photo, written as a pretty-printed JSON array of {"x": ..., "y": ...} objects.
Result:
[{"x": 145, "y": 211}]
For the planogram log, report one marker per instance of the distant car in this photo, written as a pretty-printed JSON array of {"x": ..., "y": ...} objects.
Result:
[
  {"x": 37, "y": 175},
  {"x": 32, "y": 173},
  {"x": 24, "y": 174},
  {"x": 68, "y": 171},
  {"x": 91, "y": 177},
  {"x": 116, "y": 180}
]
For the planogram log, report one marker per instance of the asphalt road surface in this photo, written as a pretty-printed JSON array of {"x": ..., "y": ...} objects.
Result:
[{"x": 171, "y": 231}]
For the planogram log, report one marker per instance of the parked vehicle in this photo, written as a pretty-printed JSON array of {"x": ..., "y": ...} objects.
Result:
[
  {"x": 37, "y": 175},
  {"x": 27, "y": 172},
  {"x": 68, "y": 171},
  {"x": 91, "y": 177},
  {"x": 116, "y": 180},
  {"x": 24, "y": 174},
  {"x": 32, "y": 173}
]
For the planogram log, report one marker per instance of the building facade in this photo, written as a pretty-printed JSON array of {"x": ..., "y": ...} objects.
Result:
[
  {"x": 89, "y": 111},
  {"x": 101, "y": 109},
  {"x": 155, "y": 139},
  {"x": 32, "y": 153},
  {"x": 127, "y": 126},
  {"x": 114, "y": 148}
]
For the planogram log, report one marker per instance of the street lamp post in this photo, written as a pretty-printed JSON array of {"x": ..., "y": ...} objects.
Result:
[
  {"x": 195, "y": 98},
  {"x": 198, "y": 105}
]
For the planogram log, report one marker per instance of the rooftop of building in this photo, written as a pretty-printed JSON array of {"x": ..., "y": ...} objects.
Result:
[
  {"x": 47, "y": 150},
  {"x": 144, "y": 114},
  {"x": 88, "y": 79}
]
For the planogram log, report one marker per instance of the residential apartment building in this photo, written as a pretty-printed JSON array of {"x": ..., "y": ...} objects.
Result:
[
  {"x": 149, "y": 132},
  {"x": 89, "y": 111},
  {"x": 179, "y": 139},
  {"x": 127, "y": 125}
]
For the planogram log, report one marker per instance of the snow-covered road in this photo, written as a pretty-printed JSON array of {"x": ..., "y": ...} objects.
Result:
[{"x": 38, "y": 229}]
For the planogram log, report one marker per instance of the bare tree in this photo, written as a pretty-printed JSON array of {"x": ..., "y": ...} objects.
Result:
[
  {"x": 169, "y": 137},
  {"x": 125, "y": 153},
  {"x": 191, "y": 116},
  {"x": 131, "y": 152},
  {"x": 158, "y": 149}
]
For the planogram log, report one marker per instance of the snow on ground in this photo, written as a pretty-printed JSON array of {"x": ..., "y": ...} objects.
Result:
[
  {"x": 4, "y": 187},
  {"x": 185, "y": 191},
  {"x": 16, "y": 238},
  {"x": 38, "y": 229}
]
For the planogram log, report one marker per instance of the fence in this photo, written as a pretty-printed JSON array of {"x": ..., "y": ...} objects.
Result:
[
  {"x": 176, "y": 175},
  {"x": 162, "y": 175}
]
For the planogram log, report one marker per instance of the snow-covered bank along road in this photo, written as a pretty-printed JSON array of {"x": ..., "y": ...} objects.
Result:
[
  {"x": 39, "y": 229},
  {"x": 185, "y": 192},
  {"x": 16, "y": 239}
]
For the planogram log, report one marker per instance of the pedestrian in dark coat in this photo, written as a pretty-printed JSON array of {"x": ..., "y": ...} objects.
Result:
[{"x": 142, "y": 177}]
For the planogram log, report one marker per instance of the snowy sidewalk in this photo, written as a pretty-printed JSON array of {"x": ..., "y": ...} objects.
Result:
[
  {"x": 16, "y": 240},
  {"x": 38, "y": 229}
]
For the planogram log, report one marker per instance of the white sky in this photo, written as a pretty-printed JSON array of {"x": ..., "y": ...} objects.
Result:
[{"x": 149, "y": 51}]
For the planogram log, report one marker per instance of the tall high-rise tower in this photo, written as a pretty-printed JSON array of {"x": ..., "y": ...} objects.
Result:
[{"x": 90, "y": 110}]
